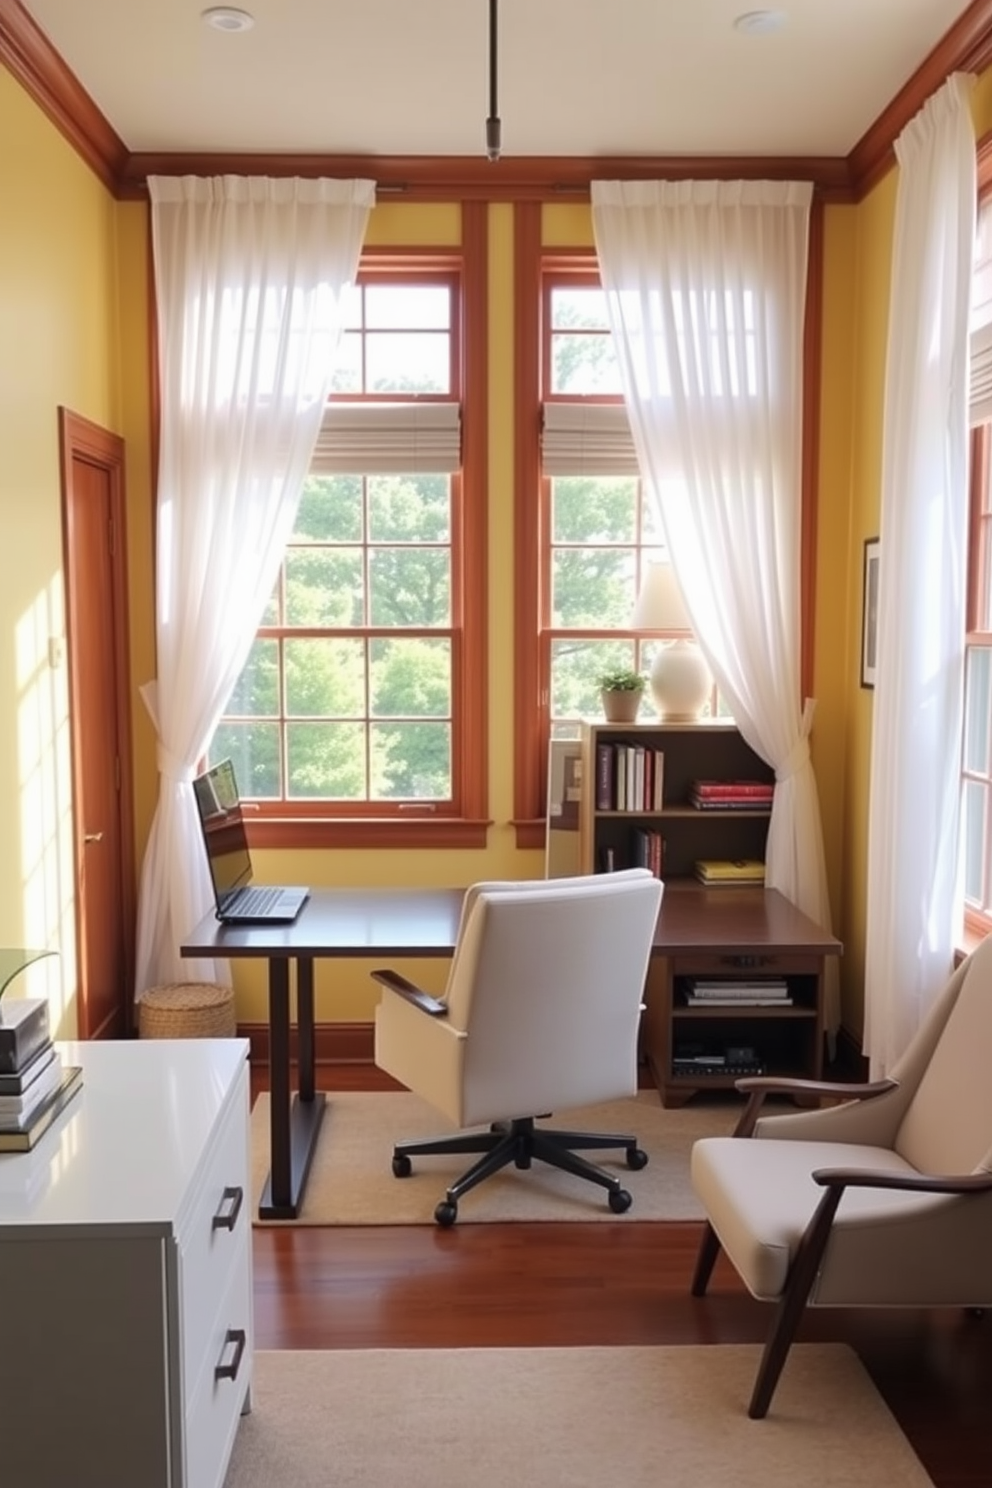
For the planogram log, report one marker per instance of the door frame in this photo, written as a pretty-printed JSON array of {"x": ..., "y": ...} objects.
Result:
[{"x": 80, "y": 439}]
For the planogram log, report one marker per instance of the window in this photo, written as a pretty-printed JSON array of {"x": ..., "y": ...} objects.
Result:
[
  {"x": 600, "y": 528},
  {"x": 356, "y": 707},
  {"x": 583, "y": 536}
]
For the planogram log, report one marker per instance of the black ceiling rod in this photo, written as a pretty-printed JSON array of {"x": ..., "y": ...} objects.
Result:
[{"x": 493, "y": 127}]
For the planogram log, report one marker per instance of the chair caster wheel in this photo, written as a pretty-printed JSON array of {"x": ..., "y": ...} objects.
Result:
[
  {"x": 402, "y": 1166},
  {"x": 636, "y": 1158},
  {"x": 446, "y": 1213},
  {"x": 620, "y": 1200}
]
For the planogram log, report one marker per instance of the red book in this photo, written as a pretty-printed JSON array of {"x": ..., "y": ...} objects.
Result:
[{"x": 720, "y": 789}]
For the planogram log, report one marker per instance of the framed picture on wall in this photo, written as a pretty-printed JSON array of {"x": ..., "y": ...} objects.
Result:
[{"x": 869, "y": 613}]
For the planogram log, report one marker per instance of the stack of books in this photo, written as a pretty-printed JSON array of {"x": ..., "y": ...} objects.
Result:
[
  {"x": 718, "y": 871},
  {"x": 732, "y": 795},
  {"x": 737, "y": 992},
  {"x": 35, "y": 1086}
]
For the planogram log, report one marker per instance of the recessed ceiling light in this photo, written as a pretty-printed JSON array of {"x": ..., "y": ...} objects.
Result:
[
  {"x": 760, "y": 22},
  {"x": 227, "y": 18}
]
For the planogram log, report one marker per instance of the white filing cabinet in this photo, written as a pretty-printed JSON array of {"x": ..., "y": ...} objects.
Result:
[{"x": 125, "y": 1274}]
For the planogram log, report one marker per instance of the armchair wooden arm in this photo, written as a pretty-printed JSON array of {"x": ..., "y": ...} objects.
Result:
[
  {"x": 910, "y": 1182},
  {"x": 411, "y": 993},
  {"x": 757, "y": 1087}
]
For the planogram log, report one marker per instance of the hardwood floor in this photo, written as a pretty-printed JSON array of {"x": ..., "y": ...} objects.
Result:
[{"x": 534, "y": 1285}]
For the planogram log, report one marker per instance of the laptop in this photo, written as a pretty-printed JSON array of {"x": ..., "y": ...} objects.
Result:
[{"x": 239, "y": 901}]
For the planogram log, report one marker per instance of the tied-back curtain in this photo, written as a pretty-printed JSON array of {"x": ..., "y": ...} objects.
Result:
[
  {"x": 914, "y": 807},
  {"x": 249, "y": 278},
  {"x": 706, "y": 292}
]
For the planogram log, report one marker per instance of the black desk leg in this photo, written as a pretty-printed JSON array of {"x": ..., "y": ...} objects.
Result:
[
  {"x": 280, "y": 1178},
  {"x": 295, "y": 1122},
  {"x": 305, "y": 1051}
]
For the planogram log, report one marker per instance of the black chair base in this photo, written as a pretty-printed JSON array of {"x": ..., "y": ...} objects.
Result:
[{"x": 520, "y": 1141}]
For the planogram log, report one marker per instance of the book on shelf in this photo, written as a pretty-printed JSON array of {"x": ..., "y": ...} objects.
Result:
[
  {"x": 730, "y": 804},
  {"x": 23, "y": 1032},
  {"x": 16, "y": 1110},
  {"x": 604, "y": 777},
  {"x": 28, "y": 1073},
  {"x": 753, "y": 999},
  {"x": 23, "y": 1139},
  {"x": 773, "y": 987},
  {"x": 716, "y": 790},
  {"x": 729, "y": 870}
]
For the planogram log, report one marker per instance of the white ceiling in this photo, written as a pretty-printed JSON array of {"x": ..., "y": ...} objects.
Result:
[{"x": 576, "y": 77}]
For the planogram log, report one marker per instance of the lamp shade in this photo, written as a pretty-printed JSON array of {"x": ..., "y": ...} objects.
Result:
[{"x": 659, "y": 605}]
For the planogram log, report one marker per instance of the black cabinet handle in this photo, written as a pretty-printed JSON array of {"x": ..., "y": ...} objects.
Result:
[
  {"x": 239, "y": 1338},
  {"x": 227, "y": 1219}
]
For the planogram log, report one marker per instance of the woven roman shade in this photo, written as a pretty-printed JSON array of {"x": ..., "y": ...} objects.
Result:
[
  {"x": 388, "y": 438},
  {"x": 587, "y": 439}
]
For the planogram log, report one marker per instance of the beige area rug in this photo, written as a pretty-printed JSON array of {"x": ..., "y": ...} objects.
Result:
[
  {"x": 586, "y": 1417},
  {"x": 351, "y": 1178}
]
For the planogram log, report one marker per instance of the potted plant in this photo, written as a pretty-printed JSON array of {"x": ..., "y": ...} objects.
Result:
[{"x": 620, "y": 689}]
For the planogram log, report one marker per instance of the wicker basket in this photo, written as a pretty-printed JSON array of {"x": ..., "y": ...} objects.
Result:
[{"x": 187, "y": 1010}]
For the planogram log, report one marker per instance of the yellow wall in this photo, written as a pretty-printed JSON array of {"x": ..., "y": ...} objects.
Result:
[{"x": 58, "y": 332}]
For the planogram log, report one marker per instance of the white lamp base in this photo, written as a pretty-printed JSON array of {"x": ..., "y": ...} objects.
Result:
[{"x": 680, "y": 681}]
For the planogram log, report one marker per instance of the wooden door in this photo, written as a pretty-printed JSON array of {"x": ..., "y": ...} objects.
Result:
[{"x": 94, "y": 561}]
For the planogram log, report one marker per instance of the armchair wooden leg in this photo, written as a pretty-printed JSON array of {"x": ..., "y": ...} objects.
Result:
[
  {"x": 792, "y": 1303},
  {"x": 709, "y": 1249}
]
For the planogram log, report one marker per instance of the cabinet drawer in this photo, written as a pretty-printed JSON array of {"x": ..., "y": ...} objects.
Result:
[
  {"x": 215, "y": 1236},
  {"x": 215, "y": 1409},
  {"x": 753, "y": 964}
]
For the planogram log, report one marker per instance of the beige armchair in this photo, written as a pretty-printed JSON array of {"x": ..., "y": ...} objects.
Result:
[
  {"x": 884, "y": 1200},
  {"x": 540, "y": 1014}
]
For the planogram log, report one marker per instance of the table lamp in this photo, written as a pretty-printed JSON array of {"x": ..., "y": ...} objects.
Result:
[{"x": 680, "y": 679}]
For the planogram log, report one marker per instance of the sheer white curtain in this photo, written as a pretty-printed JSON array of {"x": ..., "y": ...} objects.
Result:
[
  {"x": 706, "y": 288},
  {"x": 916, "y": 735},
  {"x": 249, "y": 274}
]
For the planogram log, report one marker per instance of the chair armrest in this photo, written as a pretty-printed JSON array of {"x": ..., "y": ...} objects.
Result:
[
  {"x": 756, "y": 1087},
  {"x": 411, "y": 993},
  {"x": 909, "y": 1182}
]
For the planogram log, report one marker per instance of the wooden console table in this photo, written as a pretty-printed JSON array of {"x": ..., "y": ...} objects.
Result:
[{"x": 734, "y": 934}]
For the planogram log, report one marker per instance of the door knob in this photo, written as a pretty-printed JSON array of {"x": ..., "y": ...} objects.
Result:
[{"x": 93, "y": 837}]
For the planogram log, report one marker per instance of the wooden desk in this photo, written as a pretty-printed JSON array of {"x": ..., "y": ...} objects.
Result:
[
  {"x": 376, "y": 923},
  {"x": 696, "y": 927}
]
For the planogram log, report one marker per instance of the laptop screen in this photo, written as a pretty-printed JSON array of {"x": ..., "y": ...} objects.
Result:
[{"x": 217, "y": 801}]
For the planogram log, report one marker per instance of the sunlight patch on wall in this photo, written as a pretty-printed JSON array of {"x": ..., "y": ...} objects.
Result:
[{"x": 45, "y": 791}]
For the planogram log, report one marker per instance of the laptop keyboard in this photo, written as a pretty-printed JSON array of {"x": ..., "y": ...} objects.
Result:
[{"x": 257, "y": 901}]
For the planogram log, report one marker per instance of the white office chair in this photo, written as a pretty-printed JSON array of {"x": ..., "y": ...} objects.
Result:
[{"x": 540, "y": 1014}]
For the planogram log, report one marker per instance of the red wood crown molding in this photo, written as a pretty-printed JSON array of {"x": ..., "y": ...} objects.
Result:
[
  {"x": 27, "y": 53},
  {"x": 512, "y": 178},
  {"x": 966, "y": 47}
]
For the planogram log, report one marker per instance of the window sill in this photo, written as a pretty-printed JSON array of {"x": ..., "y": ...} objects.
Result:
[
  {"x": 531, "y": 832},
  {"x": 355, "y": 832},
  {"x": 970, "y": 940}
]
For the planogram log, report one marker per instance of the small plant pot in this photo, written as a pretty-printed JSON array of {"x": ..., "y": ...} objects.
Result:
[{"x": 621, "y": 705}]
